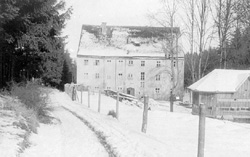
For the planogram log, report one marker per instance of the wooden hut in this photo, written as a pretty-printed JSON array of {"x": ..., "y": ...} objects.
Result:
[{"x": 226, "y": 94}]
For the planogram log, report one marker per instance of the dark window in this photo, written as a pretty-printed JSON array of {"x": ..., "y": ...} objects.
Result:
[
  {"x": 142, "y": 75},
  {"x": 97, "y": 62},
  {"x": 158, "y": 63},
  {"x": 158, "y": 77},
  {"x": 142, "y": 63},
  {"x": 130, "y": 62}
]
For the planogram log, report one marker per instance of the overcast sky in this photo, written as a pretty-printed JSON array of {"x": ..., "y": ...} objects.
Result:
[{"x": 114, "y": 12}]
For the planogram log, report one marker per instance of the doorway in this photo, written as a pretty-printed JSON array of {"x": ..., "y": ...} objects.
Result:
[{"x": 131, "y": 91}]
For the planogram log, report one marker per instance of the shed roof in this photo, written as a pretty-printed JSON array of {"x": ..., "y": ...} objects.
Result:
[{"x": 221, "y": 81}]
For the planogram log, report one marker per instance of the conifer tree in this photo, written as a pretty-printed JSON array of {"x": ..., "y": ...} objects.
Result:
[{"x": 31, "y": 41}]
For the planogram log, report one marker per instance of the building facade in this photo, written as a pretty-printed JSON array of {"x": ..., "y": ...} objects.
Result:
[{"x": 125, "y": 63}]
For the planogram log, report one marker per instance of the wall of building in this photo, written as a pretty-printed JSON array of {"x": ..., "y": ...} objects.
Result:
[
  {"x": 226, "y": 105},
  {"x": 121, "y": 73}
]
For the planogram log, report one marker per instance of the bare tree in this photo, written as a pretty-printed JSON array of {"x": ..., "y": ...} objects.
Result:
[
  {"x": 200, "y": 34},
  {"x": 166, "y": 18},
  {"x": 188, "y": 6},
  {"x": 201, "y": 22},
  {"x": 224, "y": 21}
]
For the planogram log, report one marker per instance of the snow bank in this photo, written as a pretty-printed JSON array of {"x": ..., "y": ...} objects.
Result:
[{"x": 11, "y": 136}]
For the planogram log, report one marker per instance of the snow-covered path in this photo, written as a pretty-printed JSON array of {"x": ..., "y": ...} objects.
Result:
[
  {"x": 69, "y": 138},
  {"x": 77, "y": 138}
]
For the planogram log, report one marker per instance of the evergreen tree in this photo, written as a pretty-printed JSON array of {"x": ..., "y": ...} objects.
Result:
[{"x": 31, "y": 42}]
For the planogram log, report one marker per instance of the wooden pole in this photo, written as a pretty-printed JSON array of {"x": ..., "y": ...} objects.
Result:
[
  {"x": 88, "y": 98},
  {"x": 81, "y": 96},
  {"x": 171, "y": 101},
  {"x": 99, "y": 102},
  {"x": 73, "y": 94},
  {"x": 117, "y": 105},
  {"x": 145, "y": 115},
  {"x": 201, "y": 138}
]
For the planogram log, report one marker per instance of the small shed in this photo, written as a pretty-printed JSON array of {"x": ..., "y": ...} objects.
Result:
[{"x": 226, "y": 94}]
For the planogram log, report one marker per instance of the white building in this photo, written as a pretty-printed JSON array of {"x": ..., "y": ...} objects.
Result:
[{"x": 127, "y": 59}]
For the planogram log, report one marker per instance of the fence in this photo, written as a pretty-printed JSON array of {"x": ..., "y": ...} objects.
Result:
[{"x": 72, "y": 89}]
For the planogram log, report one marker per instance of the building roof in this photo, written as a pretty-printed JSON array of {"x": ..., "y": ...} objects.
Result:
[
  {"x": 221, "y": 81},
  {"x": 123, "y": 41}
]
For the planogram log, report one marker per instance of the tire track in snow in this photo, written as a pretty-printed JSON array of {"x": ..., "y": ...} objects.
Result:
[
  {"x": 99, "y": 134},
  {"x": 77, "y": 138}
]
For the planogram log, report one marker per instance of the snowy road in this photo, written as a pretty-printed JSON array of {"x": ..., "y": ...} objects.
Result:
[{"x": 69, "y": 138}]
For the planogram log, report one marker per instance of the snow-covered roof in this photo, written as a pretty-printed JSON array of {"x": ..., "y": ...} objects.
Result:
[
  {"x": 221, "y": 81},
  {"x": 123, "y": 41}
]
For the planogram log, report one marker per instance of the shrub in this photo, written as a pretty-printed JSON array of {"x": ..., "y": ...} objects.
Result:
[
  {"x": 34, "y": 98},
  {"x": 112, "y": 113}
]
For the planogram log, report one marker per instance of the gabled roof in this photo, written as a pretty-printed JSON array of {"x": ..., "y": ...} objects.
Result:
[
  {"x": 221, "y": 81},
  {"x": 124, "y": 41}
]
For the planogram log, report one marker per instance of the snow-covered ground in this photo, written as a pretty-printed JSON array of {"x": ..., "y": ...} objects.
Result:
[
  {"x": 11, "y": 136},
  {"x": 178, "y": 131},
  {"x": 168, "y": 134},
  {"x": 66, "y": 137}
]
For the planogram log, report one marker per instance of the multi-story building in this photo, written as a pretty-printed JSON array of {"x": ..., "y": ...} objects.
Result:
[{"x": 128, "y": 59}]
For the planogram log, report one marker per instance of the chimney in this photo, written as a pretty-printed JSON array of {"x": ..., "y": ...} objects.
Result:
[{"x": 104, "y": 28}]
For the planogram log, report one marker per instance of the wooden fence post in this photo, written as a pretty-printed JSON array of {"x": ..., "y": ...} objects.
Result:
[
  {"x": 171, "y": 101},
  {"x": 81, "y": 96},
  {"x": 145, "y": 115},
  {"x": 99, "y": 102},
  {"x": 201, "y": 137},
  {"x": 117, "y": 105},
  {"x": 88, "y": 98},
  {"x": 73, "y": 93}
]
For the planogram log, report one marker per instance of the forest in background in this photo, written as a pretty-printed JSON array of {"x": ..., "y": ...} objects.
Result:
[
  {"x": 31, "y": 43},
  {"x": 230, "y": 29}
]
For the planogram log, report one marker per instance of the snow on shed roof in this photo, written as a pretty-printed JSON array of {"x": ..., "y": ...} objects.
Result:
[{"x": 221, "y": 81}]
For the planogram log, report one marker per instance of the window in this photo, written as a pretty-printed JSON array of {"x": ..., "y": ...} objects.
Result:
[
  {"x": 97, "y": 62},
  {"x": 142, "y": 84},
  {"x": 86, "y": 62},
  {"x": 157, "y": 90},
  {"x": 120, "y": 61},
  {"x": 120, "y": 88},
  {"x": 142, "y": 63},
  {"x": 142, "y": 75},
  {"x": 158, "y": 77},
  {"x": 174, "y": 63},
  {"x": 158, "y": 63},
  {"x": 85, "y": 76},
  {"x": 130, "y": 62},
  {"x": 120, "y": 74},
  {"x": 109, "y": 61},
  {"x": 97, "y": 76},
  {"x": 130, "y": 76}
]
